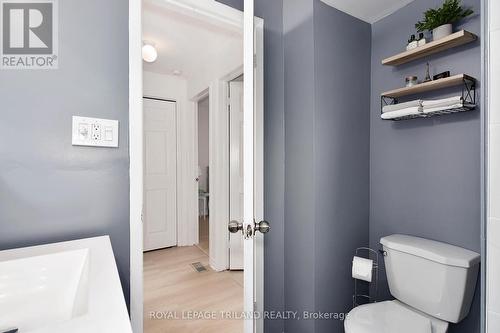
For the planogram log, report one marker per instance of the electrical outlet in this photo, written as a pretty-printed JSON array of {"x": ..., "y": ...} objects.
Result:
[{"x": 94, "y": 132}]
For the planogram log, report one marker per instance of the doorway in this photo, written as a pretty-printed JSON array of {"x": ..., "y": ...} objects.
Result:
[
  {"x": 176, "y": 85},
  {"x": 186, "y": 173}
]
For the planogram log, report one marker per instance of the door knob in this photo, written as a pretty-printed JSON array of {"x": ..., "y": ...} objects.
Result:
[
  {"x": 262, "y": 226},
  {"x": 235, "y": 226}
]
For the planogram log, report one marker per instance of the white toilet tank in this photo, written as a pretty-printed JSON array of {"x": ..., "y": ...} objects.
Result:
[{"x": 436, "y": 278}]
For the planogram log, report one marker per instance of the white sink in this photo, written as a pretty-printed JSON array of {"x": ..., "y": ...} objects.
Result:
[{"x": 62, "y": 287}]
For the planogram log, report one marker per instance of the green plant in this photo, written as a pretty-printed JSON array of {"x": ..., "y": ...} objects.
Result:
[{"x": 450, "y": 12}]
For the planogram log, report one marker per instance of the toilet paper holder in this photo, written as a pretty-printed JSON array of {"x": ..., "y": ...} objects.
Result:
[{"x": 357, "y": 296}]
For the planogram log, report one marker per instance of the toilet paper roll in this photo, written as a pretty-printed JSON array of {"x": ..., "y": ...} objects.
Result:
[{"x": 362, "y": 268}]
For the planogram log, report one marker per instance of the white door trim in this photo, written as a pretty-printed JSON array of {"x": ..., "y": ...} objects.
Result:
[
  {"x": 226, "y": 16},
  {"x": 235, "y": 101},
  {"x": 259, "y": 171},
  {"x": 248, "y": 168},
  {"x": 136, "y": 164},
  {"x": 219, "y": 171}
]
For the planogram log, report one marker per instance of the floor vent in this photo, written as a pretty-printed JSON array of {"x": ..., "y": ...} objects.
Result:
[{"x": 198, "y": 266}]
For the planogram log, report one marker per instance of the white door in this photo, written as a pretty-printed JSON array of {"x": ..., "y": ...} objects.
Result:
[
  {"x": 160, "y": 173},
  {"x": 235, "y": 171},
  {"x": 251, "y": 227}
]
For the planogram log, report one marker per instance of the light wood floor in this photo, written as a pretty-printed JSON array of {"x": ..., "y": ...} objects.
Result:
[{"x": 173, "y": 286}]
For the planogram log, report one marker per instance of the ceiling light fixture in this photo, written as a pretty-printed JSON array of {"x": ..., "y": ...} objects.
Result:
[{"x": 149, "y": 53}]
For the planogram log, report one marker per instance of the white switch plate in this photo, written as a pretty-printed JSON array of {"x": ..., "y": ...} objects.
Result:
[{"x": 94, "y": 132}]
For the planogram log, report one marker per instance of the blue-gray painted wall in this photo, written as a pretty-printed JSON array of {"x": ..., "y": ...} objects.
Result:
[
  {"x": 425, "y": 174},
  {"x": 298, "y": 43},
  {"x": 342, "y": 46},
  {"x": 49, "y": 190}
]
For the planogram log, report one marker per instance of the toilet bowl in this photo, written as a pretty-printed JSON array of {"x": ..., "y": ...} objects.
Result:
[
  {"x": 433, "y": 284},
  {"x": 391, "y": 317}
]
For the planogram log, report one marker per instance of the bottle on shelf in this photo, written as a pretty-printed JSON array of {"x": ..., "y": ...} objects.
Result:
[
  {"x": 412, "y": 43},
  {"x": 421, "y": 39}
]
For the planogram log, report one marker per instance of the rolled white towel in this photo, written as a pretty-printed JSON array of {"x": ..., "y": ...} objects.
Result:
[
  {"x": 442, "y": 102},
  {"x": 443, "y": 107},
  {"x": 402, "y": 113},
  {"x": 400, "y": 106}
]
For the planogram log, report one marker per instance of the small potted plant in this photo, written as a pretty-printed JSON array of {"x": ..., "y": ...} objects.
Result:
[{"x": 440, "y": 20}]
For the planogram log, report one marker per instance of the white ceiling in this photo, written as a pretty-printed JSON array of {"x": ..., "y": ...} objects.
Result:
[
  {"x": 187, "y": 43},
  {"x": 368, "y": 10}
]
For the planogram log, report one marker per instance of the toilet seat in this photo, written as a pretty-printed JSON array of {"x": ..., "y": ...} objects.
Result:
[{"x": 391, "y": 317}]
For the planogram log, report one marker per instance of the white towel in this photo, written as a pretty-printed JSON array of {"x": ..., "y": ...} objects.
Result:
[
  {"x": 442, "y": 102},
  {"x": 402, "y": 113},
  {"x": 400, "y": 106},
  {"x": 445, "y": 107}
]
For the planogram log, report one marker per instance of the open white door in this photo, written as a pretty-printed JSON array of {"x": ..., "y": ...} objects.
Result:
[
  {"x": 249, "y": 228},
  {"x": 235, "y": 171},
  {"x": 160, "y": 174}
]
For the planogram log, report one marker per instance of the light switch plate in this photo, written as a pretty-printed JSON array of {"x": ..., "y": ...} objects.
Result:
[{"x": 94, "y": 132}]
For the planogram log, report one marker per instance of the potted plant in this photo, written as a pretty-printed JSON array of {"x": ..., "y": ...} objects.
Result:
[{"x": 440, "y": 20}]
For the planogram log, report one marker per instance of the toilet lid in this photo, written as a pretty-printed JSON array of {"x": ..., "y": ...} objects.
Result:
[{"x": 386, "y": 317}]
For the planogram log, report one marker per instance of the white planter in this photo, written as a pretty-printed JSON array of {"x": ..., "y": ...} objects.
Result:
[{"x": 442, "y": 31}]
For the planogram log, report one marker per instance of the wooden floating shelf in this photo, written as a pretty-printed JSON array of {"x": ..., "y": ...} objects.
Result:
[
  {"x": 451, "y": 81},
  {"x": 456, "y": 39}
]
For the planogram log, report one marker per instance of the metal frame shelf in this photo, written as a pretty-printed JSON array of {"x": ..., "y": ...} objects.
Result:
[{"x": 467, "y": 83}]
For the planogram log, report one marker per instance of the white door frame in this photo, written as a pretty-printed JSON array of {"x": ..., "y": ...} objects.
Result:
[
  {"x": 225, "y": 14},
  {"x": 219, "y": 171},
  {"x": 219, "y": 167},
  {"x": 235, "y": 101}
]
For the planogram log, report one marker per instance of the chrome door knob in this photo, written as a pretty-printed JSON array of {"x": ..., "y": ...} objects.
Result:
[
  {"x": 235, "y": 226},
  {"x": 262, "y": 226}
]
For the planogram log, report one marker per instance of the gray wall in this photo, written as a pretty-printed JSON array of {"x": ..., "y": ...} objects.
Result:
[
  {"x": 274, "y": 161},
  {"x": 326, "y": 157},
  {"x": 49, "y": 190},
  {"x": 342, "y": 149},
  {"x": 238, "y": 4},
  {"x": 425, "y": 174},
  {"x": 298, "y": 43}
]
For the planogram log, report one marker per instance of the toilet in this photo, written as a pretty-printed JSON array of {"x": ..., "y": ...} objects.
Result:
[{"x": 433, "y": 284}]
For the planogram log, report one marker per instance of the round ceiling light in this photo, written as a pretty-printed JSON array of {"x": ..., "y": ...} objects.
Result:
[{"x": 149, "y": 53}]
